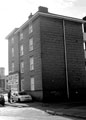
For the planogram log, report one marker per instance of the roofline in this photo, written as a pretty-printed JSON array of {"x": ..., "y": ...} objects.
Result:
[
  {"x": 63, "y": 17},
  {"x": 12, "y": 32},
  {"x": 16, "y": 30},
  {"x": 27, "y": 22},
  {"x": 49, "y": 15}
]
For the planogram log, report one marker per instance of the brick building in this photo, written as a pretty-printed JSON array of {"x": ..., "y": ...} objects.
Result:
[{"x": 48, "y": 55}]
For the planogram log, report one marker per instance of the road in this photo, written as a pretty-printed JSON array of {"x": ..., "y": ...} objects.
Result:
[{"x": 27, "y": 113}]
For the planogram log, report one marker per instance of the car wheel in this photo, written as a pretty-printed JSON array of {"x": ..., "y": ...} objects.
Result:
[{"x": 3, "y": 103}]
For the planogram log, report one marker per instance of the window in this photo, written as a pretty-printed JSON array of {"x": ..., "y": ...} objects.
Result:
[
  {"x": 22, "y": 84},
  {"x": 13, "y": 67},
  {"x": 22, "y": 67},
  {"x": 21, "y": 36},
  {"x": 31, "y": 63},
  {"x": 12, "y": 40},
  {"x": 12, "y": 52},
  {"x": 83, "y": 28},
  {"x": 21, "y": 50},
  {"x": 84, "y": 45},
  {"x": 30, "y": 29},
  {"x": 32, "y": 83},
  {"x": 30, "y": 44}
]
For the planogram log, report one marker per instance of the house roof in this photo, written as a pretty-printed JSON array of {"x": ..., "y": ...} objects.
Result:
[
  {"x": 16, "y": 30},
  {"x": 51, "y": 16}
]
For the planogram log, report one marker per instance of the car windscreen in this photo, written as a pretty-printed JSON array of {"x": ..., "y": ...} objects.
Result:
[{"x": 22, "y": 93}]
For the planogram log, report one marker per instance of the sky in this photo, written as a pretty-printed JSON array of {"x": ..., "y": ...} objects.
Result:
[{"x": 13, "y": 13}]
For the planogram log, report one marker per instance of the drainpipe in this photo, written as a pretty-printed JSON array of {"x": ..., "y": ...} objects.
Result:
[
  {"x": 65, "y": 51},
  {"x": 19, "y": 64}
]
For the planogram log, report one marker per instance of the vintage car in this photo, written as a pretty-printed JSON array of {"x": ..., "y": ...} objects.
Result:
[{"x": 21, "y": 97}]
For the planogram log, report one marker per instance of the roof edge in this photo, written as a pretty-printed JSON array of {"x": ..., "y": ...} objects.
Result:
[
  {"x": 50, "y": 15},
  {"x": 16, "y": 30},
  {"x": 12, "y": 32}
]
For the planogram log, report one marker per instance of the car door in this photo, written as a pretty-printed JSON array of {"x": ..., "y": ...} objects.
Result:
[{"x": 15, "y": 97}]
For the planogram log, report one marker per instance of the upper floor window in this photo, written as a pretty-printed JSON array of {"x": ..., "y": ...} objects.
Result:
[
  {"x": 30, "y": 44},
  {"x": 30, "y": 29},
  {"x": 31, "y": 63},
  {"x": 12, "y": 40},
  {"x": 12, "y": 52},
  {"x": 84, "y": 45},
  {"x": 21, "y": 50},
  {"x": 12, "y": 66},
  {"x": 21, "y": 36},
  {"x": 22, "y": 67},
  {"x": 32, "y": 83}
]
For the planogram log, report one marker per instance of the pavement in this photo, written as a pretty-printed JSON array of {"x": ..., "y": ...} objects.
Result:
[{"x": 77, "y": 110}]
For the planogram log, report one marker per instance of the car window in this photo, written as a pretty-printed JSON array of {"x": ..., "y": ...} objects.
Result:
[{"x": 22, "y": 93}]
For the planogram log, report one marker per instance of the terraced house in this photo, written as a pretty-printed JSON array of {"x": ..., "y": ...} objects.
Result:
[{"x": 47, "y": 55}]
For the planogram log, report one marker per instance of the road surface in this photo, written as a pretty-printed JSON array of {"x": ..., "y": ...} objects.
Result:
[{"x": 27, "y": 113}]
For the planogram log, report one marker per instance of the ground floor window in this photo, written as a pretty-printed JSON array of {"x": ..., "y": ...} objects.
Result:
[
  {"x": 22, "y": 84},
  {"x": 32, "y": 83}
]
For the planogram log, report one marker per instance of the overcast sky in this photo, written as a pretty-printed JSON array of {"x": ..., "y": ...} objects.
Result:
[{"x": 13, "y": 13}]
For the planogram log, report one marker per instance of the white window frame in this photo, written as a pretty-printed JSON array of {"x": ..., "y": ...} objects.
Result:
[
  {"x": 12, "y": 66},
  {"x": 31, "y": 44},
  {"x": 30, "y": 28},
  {"x": 22, "y": 84},
  {"x": 21, "y": 36},
  {"x": 12, "y": 52},
  {"x": 22, "y": 67},
  {"x": 21, "y": 50},
  {"x": 84, "y": 45},
  {"x": 83, "y": 27},
  {"x": 12, "y": 40},
  {"x": 31, "y": 63},
  {"x": 32, "y": 83}
]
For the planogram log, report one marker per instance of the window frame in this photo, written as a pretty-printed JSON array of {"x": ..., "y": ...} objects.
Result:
[
  {"x": 12, "y": 52},
  {"x": 22, "y": 84},
  {"x": 31, "y": 44},
  {"x": 13, "y": 66},
  {"x": 84, "y": 45},
  {"x": 12, "y": 40},
  {"x": 21, "y": 50},
  {"x": 22, "y": 66},
  {"x": 30, "y": 28},
  {"x": 21, "y": 36},
  {"x": 32, "y": 83},
  {"x": 31, "y": 63}
]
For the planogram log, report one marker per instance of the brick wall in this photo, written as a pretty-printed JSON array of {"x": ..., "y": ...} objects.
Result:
[
  {"x": 14, "y": 59},
  {"x": 53, "y": 65},
  {"x": 36, "y": 53},
  {"x": 53, "y": 62},
  {"x": 75, "y": 58}
]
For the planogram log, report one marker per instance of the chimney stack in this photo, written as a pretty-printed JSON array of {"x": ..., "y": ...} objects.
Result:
[{"x": 43, "y": 9}]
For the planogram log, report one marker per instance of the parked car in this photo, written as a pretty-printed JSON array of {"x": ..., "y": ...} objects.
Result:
[
  {"x": 2, "y": 100},
  {"x": 21, "y": 97}
]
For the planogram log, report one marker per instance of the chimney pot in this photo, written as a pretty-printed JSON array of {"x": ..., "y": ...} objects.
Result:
[{"x": 30, "y": 16}]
